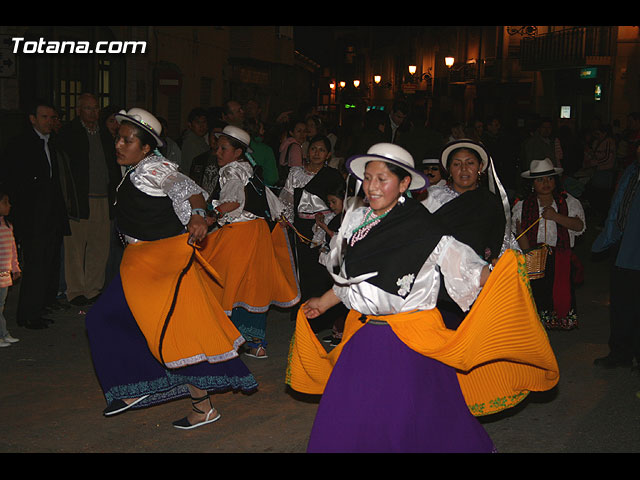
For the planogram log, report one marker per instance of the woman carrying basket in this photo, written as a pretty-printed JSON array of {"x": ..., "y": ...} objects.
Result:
[{"x": 549, "y": 216}]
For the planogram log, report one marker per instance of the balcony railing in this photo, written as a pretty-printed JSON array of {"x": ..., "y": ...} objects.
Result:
[{"x": 574, "y": 47}]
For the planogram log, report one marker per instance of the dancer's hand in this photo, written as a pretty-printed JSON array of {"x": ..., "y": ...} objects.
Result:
[
  {"x": 314, "y": 307},
  {"x": 197, "y": 228}
]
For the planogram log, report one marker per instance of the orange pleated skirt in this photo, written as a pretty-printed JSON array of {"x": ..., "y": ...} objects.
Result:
[
  {"x": 501, "y": 351},
  {"x": 255, "y": 265},
  {"x": 169, "y": 288}
]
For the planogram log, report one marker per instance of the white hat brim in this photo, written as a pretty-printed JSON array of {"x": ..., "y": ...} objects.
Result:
[
  {"x": 484, "y": 155},
  {"x": 546, "y": 173},
  {"x": 123, "y": 116},
  {"x": 247, "y": 147},
  {"x": 356, "y": 165}
]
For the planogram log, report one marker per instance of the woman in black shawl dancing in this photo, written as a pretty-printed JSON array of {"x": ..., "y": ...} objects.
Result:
[{"x": 473, "y": 213}]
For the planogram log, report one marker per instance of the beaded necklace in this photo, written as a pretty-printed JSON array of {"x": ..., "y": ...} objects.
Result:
[{"x": 370, "y": 221}]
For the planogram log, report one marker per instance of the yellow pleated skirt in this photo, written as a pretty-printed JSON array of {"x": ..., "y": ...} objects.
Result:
[
  {"x": 255, "y": 265},
  {"x": 501, "y": 351},
  {"x": 169, "y": 288}
]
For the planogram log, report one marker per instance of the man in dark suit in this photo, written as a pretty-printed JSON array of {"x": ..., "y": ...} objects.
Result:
[
  {"x": 95, "y": 175},
  {"x": 397, "y": 122},
  {"x": 29, "y": 165}
]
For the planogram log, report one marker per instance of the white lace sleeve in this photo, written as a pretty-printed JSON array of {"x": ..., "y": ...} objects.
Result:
[
  {"x": 437, "y": 196},
  {"x": 461, "y": 268},
  {"x": 286, "y": 197},
  {"x": 298, "y": 177},
  {"x": 159, "y": 177},
  {"x": 233, "y": 179}
]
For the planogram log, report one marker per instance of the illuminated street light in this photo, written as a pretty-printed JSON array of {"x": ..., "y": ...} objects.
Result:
[
  {"x": 377, "y": 78},
  {"x": 448, "y": 61},
  {"x": 356, "y": 83},
  {"x": 343, "y": 84},
  {"x": 412, "y": 69}
]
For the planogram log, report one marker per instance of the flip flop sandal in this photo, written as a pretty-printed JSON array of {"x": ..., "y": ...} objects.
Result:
[{"x": 256, "y": 354}]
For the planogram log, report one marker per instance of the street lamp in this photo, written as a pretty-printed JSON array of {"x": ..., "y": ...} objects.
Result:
[
  {"x": 448, "y": 61},
  {"x": 412, "y": 69},
  {"x": 356, "y": 83},
  {"x": 377, "y": 79}
]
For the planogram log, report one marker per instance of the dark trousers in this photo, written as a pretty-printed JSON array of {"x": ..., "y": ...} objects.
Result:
[
  {"x": 624, "y": 339},
  {"x": 40, "y": 274}
]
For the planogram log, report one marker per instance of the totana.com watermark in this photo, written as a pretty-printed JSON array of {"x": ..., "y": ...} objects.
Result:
[{"x": 20, "y": 45}]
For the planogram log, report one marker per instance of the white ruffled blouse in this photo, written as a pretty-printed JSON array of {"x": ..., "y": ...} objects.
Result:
[
  {"x": 233, "y": 179},
  {"x": 460, "y": 265},
  {"x": 158, "y": 177},
  {"x": 548, "y": 229}
]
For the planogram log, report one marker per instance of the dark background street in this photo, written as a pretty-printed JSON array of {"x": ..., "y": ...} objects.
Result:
[{"x": 51, "y": 401}]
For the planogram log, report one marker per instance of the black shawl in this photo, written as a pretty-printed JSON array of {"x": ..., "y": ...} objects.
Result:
[
  {"x": 398, "y": 246},
  {"x": 476, "y": 218}
]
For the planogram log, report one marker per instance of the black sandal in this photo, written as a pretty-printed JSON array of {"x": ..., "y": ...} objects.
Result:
[
  {"x": 118, "y": 406},
  {"x": 184, "y": 423}
]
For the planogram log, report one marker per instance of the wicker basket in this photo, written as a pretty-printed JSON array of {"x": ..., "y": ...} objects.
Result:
[{"x": 536, "y": 260}]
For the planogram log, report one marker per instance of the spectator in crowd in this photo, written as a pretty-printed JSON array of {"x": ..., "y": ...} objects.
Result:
[
  {"x": 621, "y": 236},
  {"x": 504, "y": 152},
  {"x": 253, "y": 111},
  {"x": 170, "y": 150},
  {"x": 540, "y": 145},
  {"x": 9, "y": 264},
  {"x": 29, "y": 167},
  {"x": 108, "y": 122},
  {"x": 95, "y": 175},
  {"x": 233, "y": 113},
  {"x": 262, "y": 154},
  {"x": 194, "y": 138},
  {"x": 373, "y": 130},
  {"x": 204, "y": 168},
  {"x": 397, "y": 122},
  {"x": 600, "y": 156}
]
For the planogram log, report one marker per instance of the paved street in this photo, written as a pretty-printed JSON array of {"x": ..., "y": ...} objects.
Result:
[{"x": 51, "y": 401}]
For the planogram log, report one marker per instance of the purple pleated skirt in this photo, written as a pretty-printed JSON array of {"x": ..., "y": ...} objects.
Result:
[
  {"x": 383, "y": 397},
  {"x": 126, "y": 368}
]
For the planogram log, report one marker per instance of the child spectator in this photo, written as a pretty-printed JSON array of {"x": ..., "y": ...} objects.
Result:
[
  {"x": 335, "y": 200},
  {"x": 9, "y": 268}
]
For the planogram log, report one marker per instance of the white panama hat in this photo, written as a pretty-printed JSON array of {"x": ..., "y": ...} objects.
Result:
[
  {"x": 541, "y": 168},
  {"x": 464, "y": 143},
  {"x": 388, "y": 153},
  {"x": 143, "y": 119},
  {"x": 237, "y": 134},
  {"x": 430, "y": 161}
]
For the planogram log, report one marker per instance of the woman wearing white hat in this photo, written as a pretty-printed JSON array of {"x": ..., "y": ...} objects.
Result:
[
  {"x": 156, "y": 332},
  {"x": 553, "y": 217},
  {"x": 395, "y": 382},
  {"x": 249, "y": 251},
  {"x": 475, "y": 214},
  {"x": 466, "y": 204}
]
